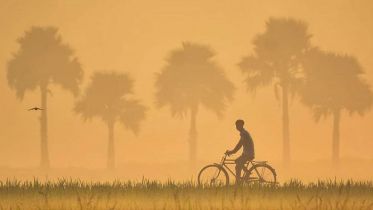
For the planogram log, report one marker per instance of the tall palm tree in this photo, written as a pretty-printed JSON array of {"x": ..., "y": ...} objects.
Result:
[
  {"x": 276, "y": 60},
  {"x": 333, "y": 84},
  {"x": 108, "y": 97},
  {"x": 42, "y": 60},
  {"x": 192, "y": 78}
]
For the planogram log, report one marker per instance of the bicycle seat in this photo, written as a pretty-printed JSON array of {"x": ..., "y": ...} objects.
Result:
[{"x": 260, "y": 162}]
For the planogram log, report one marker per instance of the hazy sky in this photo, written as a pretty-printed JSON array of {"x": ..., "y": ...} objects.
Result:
[{"x": 135, "y": 36}]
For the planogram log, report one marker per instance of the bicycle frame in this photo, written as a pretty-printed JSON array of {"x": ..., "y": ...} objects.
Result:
[{"x": 224, "y": 162}]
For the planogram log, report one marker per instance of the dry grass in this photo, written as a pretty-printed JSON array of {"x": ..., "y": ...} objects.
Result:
[{"x": 77, "y": 194}]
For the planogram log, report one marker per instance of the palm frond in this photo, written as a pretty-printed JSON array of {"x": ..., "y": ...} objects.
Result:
[
  {"x": 278, "y": 53},
  {"x": 319, "y": 112},
  {"x": 333, "y": 81},
  {"x": 42, "y": 58},
  {"x": 70, "y": 76},
  {"x": 252, "y": 65},
  {"x": 295, "y": 85},
  {"x": 20, "y": 77},
  {"x": 283, "y": 39},
  {"x": 255, "y": 81},
  {"x": 132, "y": 114},
  {"x": 191, "y": 77},
  {"x": 107, "y": 97},
  {"x": 361, "y": 97}
]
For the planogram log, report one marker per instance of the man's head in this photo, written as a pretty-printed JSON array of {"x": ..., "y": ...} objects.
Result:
[{"x": 239, "y": 125}]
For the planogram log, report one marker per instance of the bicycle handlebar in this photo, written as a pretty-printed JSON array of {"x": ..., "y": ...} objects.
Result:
[{"x": 225, "y": 157}]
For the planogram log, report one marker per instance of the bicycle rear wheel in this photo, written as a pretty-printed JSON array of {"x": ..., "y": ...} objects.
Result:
[
  {"x": 261, "y": 174},
  {"x": 213, "y": 175}
]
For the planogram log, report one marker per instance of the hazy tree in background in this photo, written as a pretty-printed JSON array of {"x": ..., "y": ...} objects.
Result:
[
  {"x": 276, "y": 60},
  {"x": 333, "y": 84},
  {"x": 43, "y": 59},
  {"x": 191, "y": 77},
  {"x": 109, "y": 97}
]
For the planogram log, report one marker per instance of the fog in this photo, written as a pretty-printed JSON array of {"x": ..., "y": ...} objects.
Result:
[{"x": 136, "y": 37}]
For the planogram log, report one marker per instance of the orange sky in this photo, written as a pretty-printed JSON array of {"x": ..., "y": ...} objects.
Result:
[{"x": 135, "y": 37}]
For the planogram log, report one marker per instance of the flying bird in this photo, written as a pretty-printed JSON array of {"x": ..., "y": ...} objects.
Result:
[{"x": 35, "y": 108}]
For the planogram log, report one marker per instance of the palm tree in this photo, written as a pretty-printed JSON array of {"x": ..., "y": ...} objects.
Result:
[
  {"x": 333, "y": 84},
  {"x": 108, "y": 97},
  {"x": 191, "y": 77},
  {"x": 43, "y": 59},
  {"x": 276, "y": 60}
]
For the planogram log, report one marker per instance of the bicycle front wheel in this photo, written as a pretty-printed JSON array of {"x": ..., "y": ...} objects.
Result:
[
  {"x": 213, "y": 175},
  {"x": 261, "y": 174}
]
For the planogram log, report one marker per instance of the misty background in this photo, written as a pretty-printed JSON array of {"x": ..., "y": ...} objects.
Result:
[{"x": 136, "y": 37}]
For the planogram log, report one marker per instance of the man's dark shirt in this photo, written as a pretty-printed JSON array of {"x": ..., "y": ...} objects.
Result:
[{"x": 247, "y": 142}]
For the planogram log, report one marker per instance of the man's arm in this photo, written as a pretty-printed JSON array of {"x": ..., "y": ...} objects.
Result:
[{"x": 238, "y": 146}]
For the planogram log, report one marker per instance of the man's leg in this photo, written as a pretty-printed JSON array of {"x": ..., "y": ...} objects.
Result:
[{"x": 240, "y": 164}]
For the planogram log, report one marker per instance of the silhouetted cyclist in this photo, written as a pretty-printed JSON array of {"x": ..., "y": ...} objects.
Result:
[{"x": 248, "y": 149}]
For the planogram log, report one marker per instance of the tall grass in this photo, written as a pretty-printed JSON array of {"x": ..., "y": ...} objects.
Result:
[{"x": 147, "y": 194}]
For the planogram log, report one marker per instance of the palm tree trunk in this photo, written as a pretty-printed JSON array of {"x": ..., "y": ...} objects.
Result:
[
  {"x": 335, "y": 144},
  {"x": 111, "y": 149},
  {"x": 285, "y": 126},
  {"x": 193, "y": 137},
  {"x": 44, "y": 129}
]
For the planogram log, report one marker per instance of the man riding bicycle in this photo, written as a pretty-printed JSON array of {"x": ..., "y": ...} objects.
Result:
[{"x": 248, "y": 149}]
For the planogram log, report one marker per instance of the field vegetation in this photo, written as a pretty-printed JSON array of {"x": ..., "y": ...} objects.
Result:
[{"x": 146, "y": 194}]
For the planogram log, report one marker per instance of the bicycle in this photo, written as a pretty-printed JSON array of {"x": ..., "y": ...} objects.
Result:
[{"x": 216, "y": 175}]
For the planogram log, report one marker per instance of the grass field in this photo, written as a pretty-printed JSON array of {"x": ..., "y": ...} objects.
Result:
[{"x": 145, "y": 194}]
